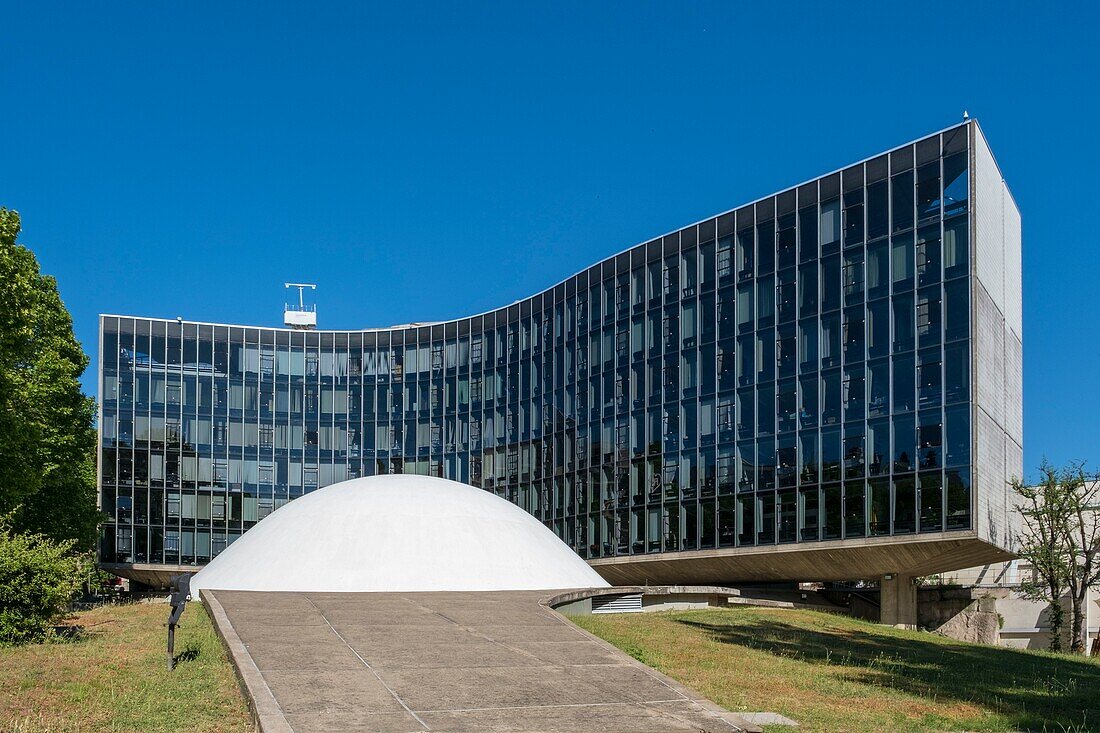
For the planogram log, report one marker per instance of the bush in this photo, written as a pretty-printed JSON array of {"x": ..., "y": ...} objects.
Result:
[{"x": 38, "y": 579}]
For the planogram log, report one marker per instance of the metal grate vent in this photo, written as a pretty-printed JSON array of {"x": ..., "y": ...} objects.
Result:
[{"x": 618, "y": 604}]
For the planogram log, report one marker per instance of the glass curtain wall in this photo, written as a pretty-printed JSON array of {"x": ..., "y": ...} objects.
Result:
[{"x": 796, "y": 370}]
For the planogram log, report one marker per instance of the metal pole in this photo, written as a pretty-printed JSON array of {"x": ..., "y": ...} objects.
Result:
[
  {"x": 171, "y": 647},
  {"x": 181, "y": 588}
]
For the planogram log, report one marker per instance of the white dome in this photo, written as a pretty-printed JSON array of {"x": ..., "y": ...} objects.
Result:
[{"x": 397, "y": 533}]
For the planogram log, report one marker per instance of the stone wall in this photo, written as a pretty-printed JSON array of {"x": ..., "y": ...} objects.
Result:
[{"x": 966, "y": 614}]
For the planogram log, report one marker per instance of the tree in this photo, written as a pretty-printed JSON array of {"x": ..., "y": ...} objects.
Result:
[
  {"x": 1045, "y": 513},
  {"x": 1061, "y": 538},
  {"x": 38, "y": 579},
  {"x": 47, "y": 438},
  {"x": 1082, "y": 542}
]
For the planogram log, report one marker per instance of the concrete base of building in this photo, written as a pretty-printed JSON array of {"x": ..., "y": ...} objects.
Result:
[
  {"x": 837, "y": 560},
  {"x": 898, "y": 601}
]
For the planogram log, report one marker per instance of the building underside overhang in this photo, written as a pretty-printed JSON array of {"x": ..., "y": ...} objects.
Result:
[
  {"x": 842, "y": 560},
  {"x": 152, "y": 575}
]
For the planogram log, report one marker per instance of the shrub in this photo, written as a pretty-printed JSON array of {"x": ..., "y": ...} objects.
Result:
[{"x": 38, "y": 579}]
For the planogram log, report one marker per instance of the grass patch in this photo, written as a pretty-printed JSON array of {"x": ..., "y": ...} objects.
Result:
[
  {"x": 831, "y": 672},
  {"x": 112, "y": 676}
]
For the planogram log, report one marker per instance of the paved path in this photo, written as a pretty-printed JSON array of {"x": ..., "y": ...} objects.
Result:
[{"x": 441, "y": 662}]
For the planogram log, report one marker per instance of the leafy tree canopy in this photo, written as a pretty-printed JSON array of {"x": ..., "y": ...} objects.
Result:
[{"x": 47, "y": 438}]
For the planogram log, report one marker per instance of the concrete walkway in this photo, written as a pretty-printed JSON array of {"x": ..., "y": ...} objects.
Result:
[{"x": 441, "y": 662}]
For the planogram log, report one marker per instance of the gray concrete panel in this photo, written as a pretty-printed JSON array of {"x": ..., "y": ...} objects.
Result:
[{"x": 989, "y": 193}]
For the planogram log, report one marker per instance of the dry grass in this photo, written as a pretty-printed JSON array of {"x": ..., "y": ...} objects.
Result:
[
  {"x": 113, "y": 677},
  {"x": 834, "y": 673}
]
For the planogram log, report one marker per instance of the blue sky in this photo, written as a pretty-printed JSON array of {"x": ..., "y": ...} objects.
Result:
[{"x": 187, "y": 160}]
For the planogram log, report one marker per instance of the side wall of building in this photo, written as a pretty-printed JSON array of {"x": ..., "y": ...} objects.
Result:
[{"x": 998, "y": 346}]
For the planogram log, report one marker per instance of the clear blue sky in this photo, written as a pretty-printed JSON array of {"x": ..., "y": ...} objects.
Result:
[{"x": 186, "y": 160}]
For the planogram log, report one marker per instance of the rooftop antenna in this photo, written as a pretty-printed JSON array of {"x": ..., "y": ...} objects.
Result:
[{"x": 300, "y": 316}]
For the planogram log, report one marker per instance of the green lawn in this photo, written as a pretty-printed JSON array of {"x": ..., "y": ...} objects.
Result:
[
  {"x": 833, "y": 673},
  {"x": 113, "y": 677},
  {"x": 828, "y": 672}
]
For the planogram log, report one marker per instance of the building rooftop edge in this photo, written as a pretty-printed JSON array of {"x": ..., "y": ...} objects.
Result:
[
  {"x": 1004, "y": 182},
  {"x": 421, "y": 324}
]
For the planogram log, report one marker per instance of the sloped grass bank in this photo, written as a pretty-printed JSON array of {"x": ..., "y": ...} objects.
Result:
[
  {"x": 832, "y": 673},
  {"x": 112, "y": 676}
]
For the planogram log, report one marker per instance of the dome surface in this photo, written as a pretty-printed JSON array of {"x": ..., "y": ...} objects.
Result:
[{"x": 397, "y": 533}]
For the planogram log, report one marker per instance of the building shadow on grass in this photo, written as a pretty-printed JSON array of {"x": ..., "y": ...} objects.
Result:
[{"x": 1037, "y": 692}]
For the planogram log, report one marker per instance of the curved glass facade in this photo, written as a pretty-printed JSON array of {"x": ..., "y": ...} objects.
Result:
[{"x": 793, "y": 371}]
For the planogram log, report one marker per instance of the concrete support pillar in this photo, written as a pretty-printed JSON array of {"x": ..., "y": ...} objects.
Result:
[{"x": 898, "y": 601}]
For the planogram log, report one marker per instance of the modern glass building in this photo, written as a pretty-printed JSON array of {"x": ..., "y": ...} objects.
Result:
[{"x": 822, "y": 384}]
